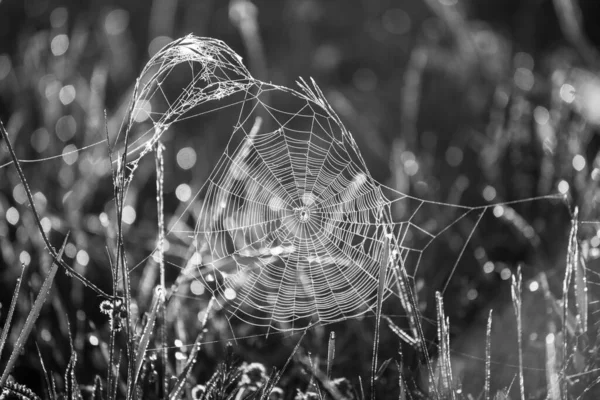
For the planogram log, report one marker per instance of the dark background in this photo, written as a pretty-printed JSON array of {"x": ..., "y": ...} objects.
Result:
[{"x": 461, "y": 85}]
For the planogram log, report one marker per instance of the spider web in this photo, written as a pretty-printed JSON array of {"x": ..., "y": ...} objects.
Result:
[{"x": 292, "y": 230}]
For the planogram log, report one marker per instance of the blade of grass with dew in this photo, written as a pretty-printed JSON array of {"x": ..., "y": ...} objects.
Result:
[
  {"x": 444, "y": 349},
  {"x": 330, "y": 353},
  {"x": 405, "y": 337},
  {"x": 402, "y": 284},
  {"x": 45, "y": 372},
  {"x": 160, "y": 174},
  {"x": 157, "y": 300},
  {"x": 516, "y": 290},
  {"x": 322, "y": 382},
  {"x": 120, "y": 190},
  {"x": 32, "y": 317},
  {"x": 191, "y": 360},
  {"x": 552, "y": 377},
  {"x": 11, "y": 310},
  {"x": 570, "y": 264},
  {"x": 385, "y": 261},
  {"x": 575, "y": 258},
  {"x": 488, "y": 357}
]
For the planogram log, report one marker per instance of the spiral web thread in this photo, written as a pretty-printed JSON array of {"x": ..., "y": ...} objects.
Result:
[{"x": 292, "y": 227}]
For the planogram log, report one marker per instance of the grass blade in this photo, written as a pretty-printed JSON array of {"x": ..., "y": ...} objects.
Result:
[
  {"x": 160, "y": 174},
  {"x": 444, "y": 349},
  {"x": 330, "y": 353},
  {"x": 488, "y": 357},
  {"x": 11, "y": 310},
  {"x": 32, "y": 317},
  {"x": 157, "y": 300},
  {"x": 191, "y": 360},
  {"x": 517, "y": 302},
  {"x": 385, "y": 260}
]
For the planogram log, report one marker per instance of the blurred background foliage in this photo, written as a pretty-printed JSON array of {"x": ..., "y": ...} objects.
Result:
[{"x": 462, "y": 101}]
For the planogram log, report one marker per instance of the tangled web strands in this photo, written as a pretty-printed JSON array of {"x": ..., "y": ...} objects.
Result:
[{"x": 292, "y": 228}]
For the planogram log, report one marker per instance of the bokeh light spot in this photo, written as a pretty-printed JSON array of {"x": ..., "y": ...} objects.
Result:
[
  {"x": 142, "y": 111},
  {"x": 5, "y": 66},
  {"x": 12, "y": 216},
  {"x": 183, "y": 192},
  {"x": 58, "y": 17},
  {"x": 186, "y": 158},
  {"x": 230, "y": 294},
  {"x": 563, "y": 187},
  {"x": 67, "y": 94},
  {"x": 454, "y": 156},
  {"x": 488, "y": 267},
  {"x": 70, "y": 154},
  {"x": 129, "y": 215},
  {"x": 25, "y": 258},
  {"x": 489, "y": 193},
  {"x": 567, "y": 93},
  {"x": 197, "y": 288},
  {"x": 65, "y": 128},
  {"x": 578, "y": 162},
  {"x": 116, "y": 22},
  {"x": 158, "y": 43},
  {"x": 83, "y": 258},
  {"x": 19, "y": 194},
  {"x": 40, "y": 139},
  {"x": 396, "y": 21},
  {"x": 365, "y": 79},
  {"x": 59, "y": 44}
]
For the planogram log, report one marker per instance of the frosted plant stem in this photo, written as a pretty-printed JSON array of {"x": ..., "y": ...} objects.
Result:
[
  {"x": 160, "y": 173},
  {"x": 488, "y": 356},
  {"x": 382, "y": 274}
]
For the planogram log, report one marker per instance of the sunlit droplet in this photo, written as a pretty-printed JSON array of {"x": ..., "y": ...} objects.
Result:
[
  {"x": 567, "y": 93},
  {"x": 498, "y": 211},
  {"x": 186, "y": 158},
  {"x": 25, "y": 258},
  {"x": 472, "y": 294},
  {"x": 103, "y": 217},
  {"x": 83, "y": 257},
  {"x": 70, "y": 154},
  {"x": 489, "y": 193},
  {"x": 183, "y": 192},
  {"x": 59, "y": 44},
  {"x": 67, "y": 94},
  {"x": 142, "y": 111},
  {"x": 563, "y": 187},
  {"x": 65, "y": 127},
  {"x": 578, "y": 162},
  {"x": 93, "y": 340},
  {"x": 230, "y": 294},
  {"x": 46, "y": 224},
  {"x": 12, "y": 216},
  {"x": 197, "y": 288},
  {"x": 534, "y": 286},
  {"x": 19, "y": 194},
  {"x": 70, "y": 250},
  {"x": 129, "y": 215}
]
